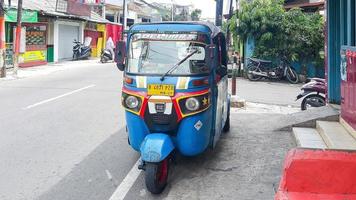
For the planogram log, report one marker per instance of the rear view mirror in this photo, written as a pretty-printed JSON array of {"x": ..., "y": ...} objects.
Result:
[
  {"x": 120, "y": 55},
  {"x": 209, "y": 54}
]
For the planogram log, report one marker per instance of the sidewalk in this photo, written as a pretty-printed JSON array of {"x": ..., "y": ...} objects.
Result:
[
  {"x": 246, "y": 164},
  {"x": 49, "y": 68}
]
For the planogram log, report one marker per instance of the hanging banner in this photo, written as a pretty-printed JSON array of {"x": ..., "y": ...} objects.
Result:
[{"x": 27, "y": 16}]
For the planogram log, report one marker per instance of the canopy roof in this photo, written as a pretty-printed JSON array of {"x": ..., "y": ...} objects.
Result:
[{"x": 204, "y": 27}]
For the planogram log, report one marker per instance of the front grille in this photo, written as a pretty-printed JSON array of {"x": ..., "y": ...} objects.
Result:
[
  {"x": 161, "y": 118},
  {"x": 161, "y": 122}
]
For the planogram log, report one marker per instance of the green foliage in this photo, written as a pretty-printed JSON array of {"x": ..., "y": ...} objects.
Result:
[
  {"x": 195, "y": 15},
  {"x": 293, "y": 34},
  {"x": 233, "y": 27}
]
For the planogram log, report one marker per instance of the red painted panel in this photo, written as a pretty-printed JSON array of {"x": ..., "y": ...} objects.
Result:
[
  {"x": 348, "y": 90},
  {"x": 114, "y": 31},
  {"x": 318, "y": 174},
  {"x": 94, "y": 35}
]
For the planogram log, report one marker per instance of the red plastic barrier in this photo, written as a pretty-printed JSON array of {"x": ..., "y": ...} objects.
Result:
[{"x": 318, "y": 175}]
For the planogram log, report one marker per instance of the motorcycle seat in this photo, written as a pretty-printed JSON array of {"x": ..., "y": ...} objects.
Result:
[
  {"x": 260, "y": 60},
  {"x": 320, "y": 80}
]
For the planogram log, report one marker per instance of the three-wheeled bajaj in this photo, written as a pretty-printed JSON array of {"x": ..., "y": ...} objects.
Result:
[{"x": 175, "y": 92}]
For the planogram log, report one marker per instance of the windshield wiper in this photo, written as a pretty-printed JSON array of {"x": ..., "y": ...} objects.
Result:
[{"x": 178, "y": 64}]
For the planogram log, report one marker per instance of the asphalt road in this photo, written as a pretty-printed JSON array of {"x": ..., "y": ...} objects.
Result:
[
  {"x": 62, "y": 135},
  {"x": 269, "y": 92}
]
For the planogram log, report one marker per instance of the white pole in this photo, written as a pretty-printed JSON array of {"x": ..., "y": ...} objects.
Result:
[
  {"x": 172, "y": 11},
  {"x": 125, "y": 15}
]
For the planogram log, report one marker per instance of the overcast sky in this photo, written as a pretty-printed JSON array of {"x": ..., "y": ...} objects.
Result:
[{"x": 207, "y": 6}]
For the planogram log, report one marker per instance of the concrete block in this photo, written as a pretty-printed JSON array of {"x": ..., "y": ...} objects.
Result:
[
  {"x": 237, "y": 102},
  {"x": 335, "y": 135},
  {"x": 308, "y": 138},
  {"x": 318, "y": 174}
]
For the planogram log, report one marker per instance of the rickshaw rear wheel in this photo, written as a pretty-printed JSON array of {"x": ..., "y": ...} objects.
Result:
[
  {"x": 226, "y": 127},
  {"x": 156, "y": 176}
]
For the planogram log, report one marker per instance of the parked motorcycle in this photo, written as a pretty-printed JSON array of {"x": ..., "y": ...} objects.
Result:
[
  {"x": 81, "y": 51},
  {"x": 313, "y": 94},
  {"x": 106, "y": 56},
  {"x": 258, "y": 69}
]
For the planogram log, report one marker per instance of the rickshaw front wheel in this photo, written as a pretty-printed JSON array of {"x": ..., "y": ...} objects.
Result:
[{"x": 156, "y": 176}]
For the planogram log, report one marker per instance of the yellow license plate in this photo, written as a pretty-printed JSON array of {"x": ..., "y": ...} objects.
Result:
[{"x": 160, "y": 90}]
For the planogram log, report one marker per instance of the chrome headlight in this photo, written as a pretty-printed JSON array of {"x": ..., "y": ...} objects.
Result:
[
  {"x": 192, "y": 104},
  {"x": 131, "y": 102},
  {"x": 195, "y": 104}
]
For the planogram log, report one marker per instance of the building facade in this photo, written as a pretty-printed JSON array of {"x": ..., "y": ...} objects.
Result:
[{"x": 49, "y": 28}]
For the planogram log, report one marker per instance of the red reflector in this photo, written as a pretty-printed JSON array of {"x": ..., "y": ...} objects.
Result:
[
  {"x": 201, "y": 82},
  {"x": 128, "y": 80}
]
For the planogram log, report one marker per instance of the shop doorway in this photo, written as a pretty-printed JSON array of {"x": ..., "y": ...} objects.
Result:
[{"x": 67, "y": 34}]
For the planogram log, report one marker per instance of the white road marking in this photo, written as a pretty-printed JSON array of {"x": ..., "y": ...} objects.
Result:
[
  {"x": 60, "y": 96},
  {"x": 127, "y": 183}
]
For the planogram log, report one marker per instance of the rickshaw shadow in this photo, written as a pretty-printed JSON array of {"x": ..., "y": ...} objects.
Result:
[{"x": 184, "y": 168}]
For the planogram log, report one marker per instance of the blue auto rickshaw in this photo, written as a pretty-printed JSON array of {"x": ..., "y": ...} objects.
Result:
[{"x": 175, "y": 92}]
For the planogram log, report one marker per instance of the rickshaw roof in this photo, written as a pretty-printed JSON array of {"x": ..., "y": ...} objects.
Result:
[{"x": 202, "y": 27}]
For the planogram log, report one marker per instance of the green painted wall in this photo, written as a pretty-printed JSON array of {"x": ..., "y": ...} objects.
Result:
[{"x": 50, "y": 54}]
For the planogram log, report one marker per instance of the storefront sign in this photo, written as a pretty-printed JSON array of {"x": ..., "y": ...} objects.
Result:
[
  {"x": 33, "y": 56},
  {"x": 27, "y": 16}
]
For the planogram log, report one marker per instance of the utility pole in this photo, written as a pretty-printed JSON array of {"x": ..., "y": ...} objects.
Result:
[
  {"x": 219, "y": 10},
  {"x": 18, "y": 37},
  {"x": 124, "y": 21},
  {"x": 2, "y": 40},
  {"x": 228, "y": 43}
]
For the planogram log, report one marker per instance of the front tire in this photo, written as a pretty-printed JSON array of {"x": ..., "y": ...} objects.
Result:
[
  {"x": 75, "y": 57},
  {"x": 156, "y": 176},
  {"x": 292, "y": 76},
  {"x": 251, "y": 76},
  {"x": 315, "y": 98}
]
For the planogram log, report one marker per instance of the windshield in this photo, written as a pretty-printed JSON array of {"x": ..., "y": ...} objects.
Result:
[{"x": 157, "y": 57}]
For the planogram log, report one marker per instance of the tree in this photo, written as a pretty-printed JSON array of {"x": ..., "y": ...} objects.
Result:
[
  {"x": 182, "y": 16},
  {"x": 278, "y": 33},
  {"x": 195, "y": 15}
]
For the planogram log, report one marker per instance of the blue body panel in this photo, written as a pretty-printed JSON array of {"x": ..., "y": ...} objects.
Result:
[
  {"x": 137, "y": 130},
  {"x": 191, "y": 141},
  {"x": 156, "y": 147}
]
